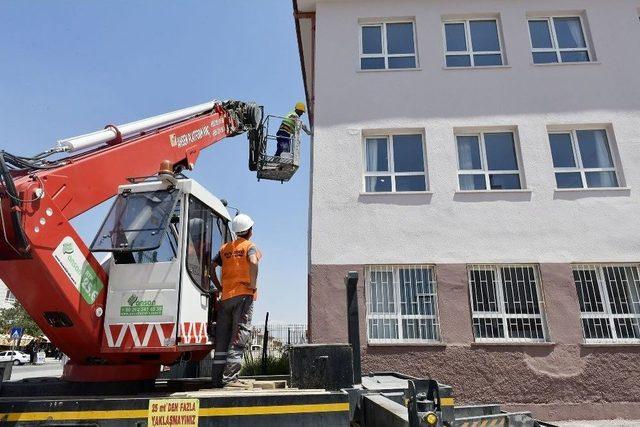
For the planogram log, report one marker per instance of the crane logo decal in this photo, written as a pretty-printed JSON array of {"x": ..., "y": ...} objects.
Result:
[
  {"x": 75, "y": 265},
  {"x": 67, "y": 248},
  {"x": 190, "y": 137}
]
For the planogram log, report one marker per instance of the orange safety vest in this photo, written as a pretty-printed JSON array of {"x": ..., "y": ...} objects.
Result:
[{"x": 235, "y": 269}]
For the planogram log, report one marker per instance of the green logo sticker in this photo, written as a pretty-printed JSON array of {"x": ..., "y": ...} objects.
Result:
[
  {"x": 78, "y": 270},
  {"x": 90, "y": 284}
]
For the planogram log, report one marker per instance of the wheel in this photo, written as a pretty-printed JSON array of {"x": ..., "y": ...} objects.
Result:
[{"x": 16, "y": 362}]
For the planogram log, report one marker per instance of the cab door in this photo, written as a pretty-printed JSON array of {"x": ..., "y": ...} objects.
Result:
[
  {"x": 205, "y": 232},
  {"x": 142, "y": 233}
]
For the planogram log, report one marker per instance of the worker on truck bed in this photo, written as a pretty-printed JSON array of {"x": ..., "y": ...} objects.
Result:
[
  {"x": 288, "y": 128},
  {"x": 239, "y": 261}
]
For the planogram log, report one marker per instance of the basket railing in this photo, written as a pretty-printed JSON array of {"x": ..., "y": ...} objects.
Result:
[{"x": 282, "y": 167}]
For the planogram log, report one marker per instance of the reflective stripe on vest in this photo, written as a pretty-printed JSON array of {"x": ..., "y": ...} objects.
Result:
[
  {"x": 289, "y": 122},
  {"x": 236, "y": 278}
]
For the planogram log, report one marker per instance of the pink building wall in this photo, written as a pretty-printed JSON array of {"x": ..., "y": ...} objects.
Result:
[{"x": 561, "y": 379}]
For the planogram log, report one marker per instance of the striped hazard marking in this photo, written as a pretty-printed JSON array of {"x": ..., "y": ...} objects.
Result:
[
  {"x": 142, "y": 413},
  {"x": 193, "y": 333},
  {"x": 141, "y": 335},
  {"x": 154, "y": 335},
  {"x": 491, "y": 422}
]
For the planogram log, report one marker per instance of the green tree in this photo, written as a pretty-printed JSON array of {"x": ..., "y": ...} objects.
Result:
[{"x": 18, "y": 316}]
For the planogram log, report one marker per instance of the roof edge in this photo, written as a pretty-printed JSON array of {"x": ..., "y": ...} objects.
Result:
[{"x": 296, "y": 19}]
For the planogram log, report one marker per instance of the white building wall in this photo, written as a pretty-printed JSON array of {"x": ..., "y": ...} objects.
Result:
[
  {"x": 445, "y": 226},
  {"x": 6, "y": 298}
]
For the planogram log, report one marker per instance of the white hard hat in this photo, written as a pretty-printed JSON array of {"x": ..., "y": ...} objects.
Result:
[{"x": 241, "y": 223}]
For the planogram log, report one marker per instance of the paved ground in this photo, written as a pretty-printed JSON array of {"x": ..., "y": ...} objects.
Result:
[
  {"x": 614, "y": 423},
  {"x": 51, "y": 368}
]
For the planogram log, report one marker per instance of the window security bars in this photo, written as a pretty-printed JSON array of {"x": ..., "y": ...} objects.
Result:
[
  {"x": 507, "y": 304},
  {"x": 609, "y": 297},
  {"x": 402, "y": 304}
]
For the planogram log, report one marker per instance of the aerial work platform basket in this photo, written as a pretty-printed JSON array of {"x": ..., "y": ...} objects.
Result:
[{"x": 264, "y": 147}]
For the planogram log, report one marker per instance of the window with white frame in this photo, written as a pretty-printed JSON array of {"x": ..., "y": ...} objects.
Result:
[
  {"x": 558, "y": 39},
  {"x": 402, "y": 304},
  {"x": 9, "y": 297},
  {"x": 387, "y": 45},
  {"x": 609, "y": 297},
  {"x": 394, "y": 163},
  {"x": 473, "y": 43},
  {"x": 488, "y": 161},
  {"x": 506, "y": 303},
  {"x": 583, "y": 159}
]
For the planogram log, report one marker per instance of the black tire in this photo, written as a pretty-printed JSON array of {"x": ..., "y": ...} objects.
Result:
[{"x": 16, "y": 362}]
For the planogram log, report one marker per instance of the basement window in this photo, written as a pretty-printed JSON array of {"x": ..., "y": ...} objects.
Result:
[
  {"x": 506, "y": 303},
  {"x": 402, "y": 304},
  {"x": 609, "y": 297},
  {"x": 387, "y": 45}
]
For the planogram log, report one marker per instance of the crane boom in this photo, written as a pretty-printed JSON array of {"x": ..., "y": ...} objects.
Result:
[{"x": 39, "y": 197}]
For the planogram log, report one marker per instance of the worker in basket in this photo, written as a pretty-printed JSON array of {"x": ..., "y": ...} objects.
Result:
[
  {"x": 239, "y": 262},
  {"x": 288, "y": 128}
]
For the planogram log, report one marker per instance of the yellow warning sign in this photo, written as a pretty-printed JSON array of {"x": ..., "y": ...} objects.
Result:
[{"x": 173, "y": 413}]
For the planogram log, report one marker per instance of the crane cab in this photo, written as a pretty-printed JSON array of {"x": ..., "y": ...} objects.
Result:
[{"x": 162, "y": 235}]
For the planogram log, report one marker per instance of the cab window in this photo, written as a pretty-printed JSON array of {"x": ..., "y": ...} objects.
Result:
[
  {"x": 206, "y": 231},
  {"x": 136, "y": 222},
  {"x": 166, "y": 252}
]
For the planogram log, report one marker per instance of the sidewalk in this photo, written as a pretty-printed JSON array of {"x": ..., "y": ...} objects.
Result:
[{"x": 599, "y": 423}]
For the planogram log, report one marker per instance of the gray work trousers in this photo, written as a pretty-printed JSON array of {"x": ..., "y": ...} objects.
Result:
[{"x": 233, "y": 334}]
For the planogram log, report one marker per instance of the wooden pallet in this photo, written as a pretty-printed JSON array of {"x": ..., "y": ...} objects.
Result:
[{"x": 251, "y": 384}]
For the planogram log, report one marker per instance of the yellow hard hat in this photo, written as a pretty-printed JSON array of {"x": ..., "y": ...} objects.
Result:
[{"x": 300, "y": 106}]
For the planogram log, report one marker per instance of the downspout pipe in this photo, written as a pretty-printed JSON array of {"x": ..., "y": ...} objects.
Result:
[{"x": 353, "y": 323}]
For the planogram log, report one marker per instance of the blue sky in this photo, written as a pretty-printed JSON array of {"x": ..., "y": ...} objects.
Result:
[{"x": 71, "y": 67}]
